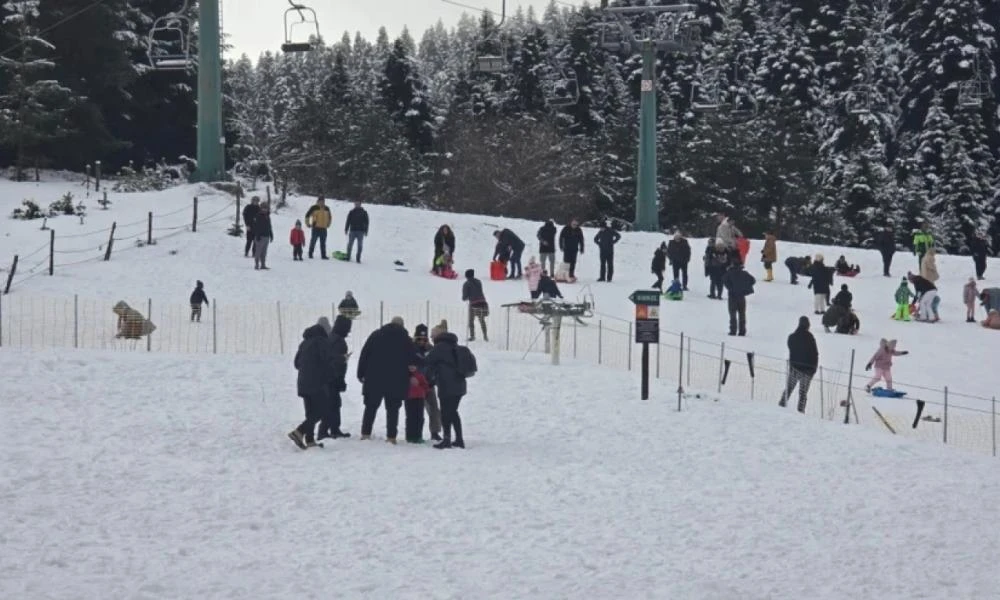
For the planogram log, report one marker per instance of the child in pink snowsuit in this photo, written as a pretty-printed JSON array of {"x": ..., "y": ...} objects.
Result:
[
  {"x": 882, "y": 360},
  {"x": 533, "y": 272}
]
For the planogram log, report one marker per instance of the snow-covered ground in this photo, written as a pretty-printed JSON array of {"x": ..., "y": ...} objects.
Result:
[{"x": 116, "y": 489}]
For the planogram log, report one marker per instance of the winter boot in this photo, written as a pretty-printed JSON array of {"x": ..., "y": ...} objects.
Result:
[
  {"x": 366, "y": 437},
  {"x": 443, "y": 445},
  {"x": 458, "y": 444},
  {"x": 436, "y": 437},
  {"x": 296, "y": 436},
  {"x": 390, "y": 440},
  {"x": 340, "y": 434},
  {"x": 770, "y": 275}
]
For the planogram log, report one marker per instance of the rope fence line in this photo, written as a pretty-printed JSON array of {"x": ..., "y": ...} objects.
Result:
[
  {"x": 18, "y": 274},
  {"x": 704, "y": 368}
]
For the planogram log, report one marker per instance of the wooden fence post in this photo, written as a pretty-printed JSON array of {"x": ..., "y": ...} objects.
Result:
[
  {"x": 194, "y": 217},
  {"x": 149, "y": 230},
  {"x": 111, "y": 241},
  {"x": 10, "y": 276},
  {"x": 52, "y": 251},
  {"x": 97, "y": 175},
  {"x": 149, "y": 317}
]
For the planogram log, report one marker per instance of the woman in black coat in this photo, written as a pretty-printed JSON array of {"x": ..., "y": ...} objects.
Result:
[
  {"x": 314, "y": 361},
  {"x": 443, "y": 373},
  {"x": 444, "y": 239}
]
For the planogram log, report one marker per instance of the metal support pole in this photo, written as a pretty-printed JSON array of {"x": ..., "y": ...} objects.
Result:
[
  {"x": 722, "y": 359},
  {"x": 822, "y": 398},
  {"x": 52, "y": 251},
  {"x": 945, "y": 414},
  {"x": 194, "y": 216},
  {"x": 149, "y": 317},
  {"x": 688, "y": 362},
  {"x": 111, "y": 241},
  {"x": 281, "y": 334},
  {"x": 658, "y": 355},
  {"x": 556, "y": 333},
  {"x": 600, "y": 341},
  {"x": 508, "y": 329},
  {"x": 381, "y": 313},
  {"x": 215, "y": 330},
  {"x": 576, "y": 327},
  {"x": 1, "y": 346},
  {"x": 646, "y": 206},
  {"x": 680, "y": 374},
  {"x": 628, "y": 341},
  {"x": 994, "y": 415},
  {"x": 428, "y": 321},
  {"x": 149, "y": 229},
  {"x": 644, "y": 368},
  {"x": 547, "y": 332},
  {"x": 211, "y": 166},
  {"x": 76, "y": 321},
  {"x": 97, "y": 175},
  {"x": 850, "y": 394}
]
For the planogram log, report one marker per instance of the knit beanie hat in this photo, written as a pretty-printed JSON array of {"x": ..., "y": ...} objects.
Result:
[
  {"x": 843, "y": 287},
  {"x": 349, "y": 294},
  {"x": 397, "y": 321},
  {"x": 420, "y": 331}
]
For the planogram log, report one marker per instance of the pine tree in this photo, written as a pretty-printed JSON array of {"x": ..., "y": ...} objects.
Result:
[
  {"x": 33, "y": 108},
  {"x": 402, "y": 92}
]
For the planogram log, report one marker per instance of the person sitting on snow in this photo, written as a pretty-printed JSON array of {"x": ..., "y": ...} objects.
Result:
[
  {"x": 675, "y": 291},
  {"x": 849, "y": 324},
  {"x": 444, "y": 266},
  {"x": 846, "y": 269},
  {"x": 992, "y": 320},
  {"x": 547, "y": 287},
  {"x": 349, "y": 306}
]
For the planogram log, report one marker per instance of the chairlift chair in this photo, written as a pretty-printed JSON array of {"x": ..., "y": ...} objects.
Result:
[
  {"x": 174, "y": 32},
  {"x": 707, "y": 98},
  {"x": 973, "y": 92},
  {"x": 491, "y": 63},
  {"x": 564, "y": 91},
  {"x": 612, "y": 36},
  {"x": 689, "y": 33},
  {"x": 307, "y": 17},
  {"x": 859, "y": 100}
]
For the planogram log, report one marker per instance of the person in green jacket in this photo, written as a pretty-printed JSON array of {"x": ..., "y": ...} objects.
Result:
[
  {"x": 922, "y": 240},
  {"x": 903, "y": 295}
]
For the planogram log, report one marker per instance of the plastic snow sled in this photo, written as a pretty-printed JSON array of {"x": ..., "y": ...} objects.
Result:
[
  {"x": 337, "y": 254},
  {"x": 498, "y": 271},
  {"x": 884, "y": 393},
  {"x": 350, "y": 313},
  {"x": 851, "y": 273},
  {"x": 446, "y": 273},
  {"x": 673, "y": 295}
]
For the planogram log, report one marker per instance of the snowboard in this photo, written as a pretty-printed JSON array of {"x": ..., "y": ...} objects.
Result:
[{"x": 884, "y": 393}]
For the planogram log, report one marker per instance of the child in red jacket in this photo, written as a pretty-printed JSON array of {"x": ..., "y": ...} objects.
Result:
[
  {"x": 419, "y": 388},
  {"x": 298, "y": 240}
]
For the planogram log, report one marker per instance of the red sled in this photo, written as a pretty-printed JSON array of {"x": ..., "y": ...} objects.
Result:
[
  {"x": 849, "y": 274},
  {"x": 743, "y": 247},
  {"x": 498, "y": 271},
  {"x": 446, "y": 273}
]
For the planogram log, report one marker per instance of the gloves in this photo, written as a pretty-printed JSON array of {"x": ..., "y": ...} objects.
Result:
[
  {"x": 906, "y": 351},
  {"x": 868, "y": 367}
]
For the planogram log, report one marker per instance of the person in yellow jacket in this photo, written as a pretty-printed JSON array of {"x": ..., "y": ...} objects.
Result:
[
  {"x": 319, "y": 218},
  {"x": 769, "y": 255},
  {"x": 922, "y": 240}
]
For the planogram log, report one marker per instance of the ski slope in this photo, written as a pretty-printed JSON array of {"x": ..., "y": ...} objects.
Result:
[
  {"x": 115, "y": 489},
  {"x": 952, "y": 352}
]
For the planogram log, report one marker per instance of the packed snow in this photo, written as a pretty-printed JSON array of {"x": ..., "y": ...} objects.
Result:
[{"x": 569, "y": 488}]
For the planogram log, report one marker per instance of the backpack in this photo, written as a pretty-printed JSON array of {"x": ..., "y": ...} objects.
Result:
[{"x": 465, "y": 361}]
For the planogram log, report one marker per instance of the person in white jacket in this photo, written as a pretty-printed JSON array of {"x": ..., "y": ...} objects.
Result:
[
  {"x": 727, "y": 232},
  {"x": 928, "y": 266},
  {"x": 533, "y": 273}
]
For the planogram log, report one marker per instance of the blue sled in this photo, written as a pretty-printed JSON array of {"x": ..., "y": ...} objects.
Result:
[{"x": 884, "y": 393}]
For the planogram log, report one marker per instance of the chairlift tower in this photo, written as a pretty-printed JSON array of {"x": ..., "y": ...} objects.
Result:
[
  {"x": 673, "y": 31},
  {"x": 211, "y": 143},
  {"x": 549, "y": 315}
]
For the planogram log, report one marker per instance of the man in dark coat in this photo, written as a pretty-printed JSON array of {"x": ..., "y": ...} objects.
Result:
[
  {"x": 509, "y": 239},
  {"x": 314, "y": 361},
  {"x": 659, "y": 265},
  {"x": 250, "y": 212},
  {"x": 803, "y": 358},
  {"x": 885, "y": 242},
  {"x": 263, "y": 235},
  {"x": 606, "y": 239},
  {"x": 571, "y": 244},
  {"x": 472, "y": 292},
  {"x": 384, "y": 371},
  {"x": 356, "y": 228},
  {"x": 443, "y": 373},
  {"x": 547, "y": 245},
  {"x": 679, "y": 254},
  {"x": 979, "y": 247},
  {"x": 329, "y": 427},
  {"x": 739, "y": 284}
]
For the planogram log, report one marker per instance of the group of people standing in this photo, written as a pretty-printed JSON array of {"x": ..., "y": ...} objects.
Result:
[
  {"x": 570, "y": 241},
  {"x": 418, "y": 374},
  {"x": 319, "y": 218}
]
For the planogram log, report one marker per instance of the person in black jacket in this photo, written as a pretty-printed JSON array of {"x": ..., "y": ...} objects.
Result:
[
  {"x": 797, "y": 266},
  {"x": 263, "y": 235},
  {"x": 679, "y": 254},
  {"x": 606, "y": 239},
  {"x": 717, "y": 260},
  {"x": 250, "y": 212},
  {"x": 314, "y": 361},
  {"x": 571, "y": 244},
  {"x": 198, "y": 298},
  {"x": 803, "y": 358},
  {"x": 659, "y": 265},
  {"x": 979, "y": 247},
  {"x": 356, "y": 228},
  {"x": 472, "y": 292},
  {"x": 739, "y": 284},
  {"x": 547, "y": 287},
  {"x": 844, "y": 298},
  {"x": 820, "y": 282},
  {"x": 508, "y": 238},
  {"x": 444, "y": 239},
  {"x": 885, "y": 242},
  {"x": 329, "y": 426},
  {"x": 443, "y": 373},
  {"x": 384, "y": 371},
  {"x": 547, "y": 245}
]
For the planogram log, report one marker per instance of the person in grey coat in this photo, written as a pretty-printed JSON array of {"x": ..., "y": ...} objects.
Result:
[
  {"x": 315, "y": 362},
  {"x": 443, "y": 373}
]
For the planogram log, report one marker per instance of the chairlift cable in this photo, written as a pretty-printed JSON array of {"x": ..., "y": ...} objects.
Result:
[{"x": 56, "y": 24}]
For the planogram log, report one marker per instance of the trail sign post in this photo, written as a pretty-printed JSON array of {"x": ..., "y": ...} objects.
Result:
[{"x": 647, "y": 328}]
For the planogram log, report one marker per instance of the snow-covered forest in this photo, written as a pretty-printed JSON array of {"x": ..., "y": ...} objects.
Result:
[{"x": 835, "y": 117}]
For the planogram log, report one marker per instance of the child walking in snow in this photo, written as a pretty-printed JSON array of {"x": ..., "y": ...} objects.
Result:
[
  {"x": 414, "y": 406},
  {"x": 349, "y": 306},
  {"x": 903, "y": 296},
  {"x": 298, "y": 240},
  {"x": 969, "y": 294},
  {"x": 533, "y": 273},
  {"x": 198, "y": 298},
  {"x": 882, "y": 360}
]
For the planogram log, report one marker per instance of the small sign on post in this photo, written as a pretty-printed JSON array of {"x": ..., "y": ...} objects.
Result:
[{"x": 647, "y": 328}]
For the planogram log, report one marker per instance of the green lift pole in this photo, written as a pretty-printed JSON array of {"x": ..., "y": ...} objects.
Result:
[
  {"x": 646, "y": 202},
  {"x": 211, "y": 161}
]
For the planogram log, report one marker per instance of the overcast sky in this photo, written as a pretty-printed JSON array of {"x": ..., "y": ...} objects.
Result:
[{"x": 254, "y": 27}]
